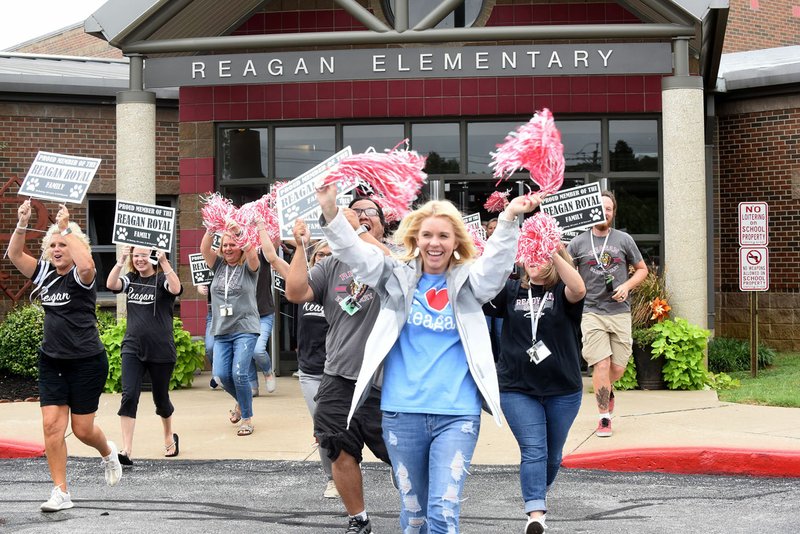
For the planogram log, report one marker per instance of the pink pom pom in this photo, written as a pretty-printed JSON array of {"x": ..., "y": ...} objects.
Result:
[
  {"x": 216, "y": 211},
  {"x": 539, "y": 238},
  {"x": 395, "y": 176},
  {"x": 478, "y": 238},
  {"x": 535, "y": 146},
  {"x": 390, "y": 214},
  {"x": 497, "y": 201}
]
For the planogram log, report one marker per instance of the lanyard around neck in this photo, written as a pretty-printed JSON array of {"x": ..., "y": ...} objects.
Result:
[
  {"x": 229, "y": 280},
  {"x": 536, "y": 316},
  {"x": 602, "y": 250}
]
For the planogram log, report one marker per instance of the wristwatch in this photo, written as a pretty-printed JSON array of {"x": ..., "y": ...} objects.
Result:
[
  {"x": 361, "y": 229},
  {"x": 66, "y": 231}
]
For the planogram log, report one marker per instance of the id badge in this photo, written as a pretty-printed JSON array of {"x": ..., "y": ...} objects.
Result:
[
  {"x": 225, "y": 310},
  {"x": 349, "y": 305},
  {"x": 538, "y": 352}
]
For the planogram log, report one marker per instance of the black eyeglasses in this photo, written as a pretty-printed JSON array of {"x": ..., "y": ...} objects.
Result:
[
  {"x": 320, "y": 255},
  {"x": 369, "y": 212}
]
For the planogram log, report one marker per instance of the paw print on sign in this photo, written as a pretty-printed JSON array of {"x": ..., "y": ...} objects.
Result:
[
  {"x": 292, "y": 213},
  {"x": 122, "y": 234},
  {"x": 162, "y": 240},
  {"x": 75, "y": 191},
  {"x": 595, "y": 214},
  {"x": 33, "y": 183},
  {"x": 198, "y": 277}
]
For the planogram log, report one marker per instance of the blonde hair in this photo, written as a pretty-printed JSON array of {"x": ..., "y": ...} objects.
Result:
[
  {"x": 129, "y": 262},
  {"x": 408, "y": 231},
  {"x": 47, "y": 255},
  {"x": 242, "y": 258},
  {"x": 549, "y": 272},
  {"x": 312, "y": 256}
]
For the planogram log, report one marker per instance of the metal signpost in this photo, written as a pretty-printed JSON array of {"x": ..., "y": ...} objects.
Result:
[{"x": 753, "y": 264}]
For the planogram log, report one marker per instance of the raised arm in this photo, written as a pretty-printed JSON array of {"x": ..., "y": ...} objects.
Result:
[
  {"x": 205, "y": 249},
  {"x": 297, "y": 288},
  {"x": 113, "y": 282},
  {"x": 575, "y": 287},
  {"x": 24, "y": 262},
  {"x": 270, "y": 254},
  {"x": 173, "y": 282},
  {"x": 84, "y": 264}
]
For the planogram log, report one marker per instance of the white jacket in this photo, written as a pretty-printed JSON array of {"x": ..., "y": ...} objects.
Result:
[{"x": 469, "y": 286}]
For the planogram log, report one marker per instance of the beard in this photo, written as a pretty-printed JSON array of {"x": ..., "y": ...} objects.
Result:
[{"x": 603, "y": 226}]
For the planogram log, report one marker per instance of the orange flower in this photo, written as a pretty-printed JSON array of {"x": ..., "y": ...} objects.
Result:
[{"x": 660, "y": 309}]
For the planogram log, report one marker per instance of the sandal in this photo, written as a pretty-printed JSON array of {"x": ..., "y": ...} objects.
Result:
[
  {"x": 245, "y": 430},
  {"x": 236, "y": 415},
  {"x": 173, "y": 445},
  {"x": 124, "y": 459}
]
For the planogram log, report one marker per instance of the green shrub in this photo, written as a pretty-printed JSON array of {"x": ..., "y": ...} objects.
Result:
[
  {"x": 191, "y": 356},
  {"x": 683, "y": 345},
  {"x": 105, "y": 319},
  {"x": 20, "y": 339},
  {"x": 729, "y": 355}
]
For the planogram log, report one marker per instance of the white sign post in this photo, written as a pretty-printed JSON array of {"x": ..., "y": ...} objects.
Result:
[{"x": 753, "y": 264}]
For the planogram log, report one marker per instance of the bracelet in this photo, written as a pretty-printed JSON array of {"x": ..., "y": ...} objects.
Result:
[
  {"x": 21, "y": 227},
  {"x": 20, "y": 231},
  {"x": 120, "y": 265},
  {"x": 169, "y": 273}
]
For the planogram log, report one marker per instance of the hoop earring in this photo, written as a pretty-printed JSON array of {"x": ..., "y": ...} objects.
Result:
[
  {"x": 416, "y": 252},
  {"x": 456, "y": 255}
]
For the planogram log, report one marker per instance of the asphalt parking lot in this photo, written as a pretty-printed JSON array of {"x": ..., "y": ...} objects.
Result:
[{"x": 219, "y": 496}]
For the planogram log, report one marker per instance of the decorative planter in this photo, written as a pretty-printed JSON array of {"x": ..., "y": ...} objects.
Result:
[{"x": 649, "y": 372}]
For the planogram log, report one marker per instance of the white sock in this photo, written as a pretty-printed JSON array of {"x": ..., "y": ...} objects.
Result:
[
  {"x": 361, "y": 515},
  {"x": 605, "y": 415}
]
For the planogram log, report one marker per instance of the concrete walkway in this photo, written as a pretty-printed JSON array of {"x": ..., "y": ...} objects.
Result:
[{"x": 674, "y": 431}]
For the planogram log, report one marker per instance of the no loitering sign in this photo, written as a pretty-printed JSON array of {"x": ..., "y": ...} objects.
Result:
[{"x": 753, "y": 224}]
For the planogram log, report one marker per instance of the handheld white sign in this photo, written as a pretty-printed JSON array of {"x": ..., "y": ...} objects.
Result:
[
  {"x": 473, "y": 219},
  {"x": 577, "y": 207},
  {"x": 59, "y": 177},
  {"x": 278, "y": 282},
  {"x": 144, "y": 225},
  {"x": 297, "y": 199},
  {"x": 201, "y": 274}
]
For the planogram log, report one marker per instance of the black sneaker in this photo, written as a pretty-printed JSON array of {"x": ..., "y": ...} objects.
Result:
[{"x": 358, "y": 526}]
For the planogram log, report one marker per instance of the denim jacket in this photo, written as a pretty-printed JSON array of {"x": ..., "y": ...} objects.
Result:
[{"x": 469, "y": 286}]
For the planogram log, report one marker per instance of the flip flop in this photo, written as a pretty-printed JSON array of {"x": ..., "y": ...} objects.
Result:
[
  {"x": 236, "y": 415},
  {"x": 245, "y": 430},
  {"x": 168, "y": 447},
  {"x": 124, "y": 459}
]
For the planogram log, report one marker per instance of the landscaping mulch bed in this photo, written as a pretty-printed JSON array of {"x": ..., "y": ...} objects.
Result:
[{"x": 15, "y": 388}]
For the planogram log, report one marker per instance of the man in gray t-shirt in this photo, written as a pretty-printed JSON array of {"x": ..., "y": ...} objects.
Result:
[
  {"x": 350, "y": 309},
  {"x": 603, "y": 256}
]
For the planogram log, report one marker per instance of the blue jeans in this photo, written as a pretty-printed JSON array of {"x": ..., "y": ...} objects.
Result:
[
  {"x": 209, "y": 341},
  {"x": 233, "y": 355},
  {"x": 430, "y": 456},
  {"x": 261, "y": 357},
  {"x": 541, "y": 425}
]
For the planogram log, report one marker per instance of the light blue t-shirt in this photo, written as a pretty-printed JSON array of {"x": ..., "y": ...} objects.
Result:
[{"x": 426, "y": 371}]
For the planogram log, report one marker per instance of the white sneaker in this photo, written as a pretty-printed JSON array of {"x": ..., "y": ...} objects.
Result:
[
  {"x": 58, "y": 501},
  {"x": 535, "y": 525},
  {"x": 270, "y": 382},
  {"x": 113, "y": 469},
  {"x": 330, "y": 491}
]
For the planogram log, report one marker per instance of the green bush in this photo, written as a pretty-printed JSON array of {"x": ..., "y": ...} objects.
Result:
[
  {"x": 20, "y": 339},
  {"x": 191, "y": 356},
  {"x": 729, "y": 355},
  {"x": 683, "y": 345}
]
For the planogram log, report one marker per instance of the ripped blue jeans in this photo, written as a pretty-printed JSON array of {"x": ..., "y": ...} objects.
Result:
[
  {"x": 233, "y": 355},
  {"x": 430, "y": 457}
]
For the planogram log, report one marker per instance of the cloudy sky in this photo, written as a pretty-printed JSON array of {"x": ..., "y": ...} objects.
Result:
[{"x": 23, "y": 20}]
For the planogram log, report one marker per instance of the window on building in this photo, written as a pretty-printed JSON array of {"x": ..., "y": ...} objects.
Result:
[
  {"x": 582, "y": 142},
  {"x": 100, "y": 214},
  {"x": 378, "y": 136},
  {"x": 297, "y": 149},
  {"x": 440, "y": 143},
  {"x": 483, "y": 138},
  {"x": 244, "y": 153},
  {"x": 633, "y": 145}
]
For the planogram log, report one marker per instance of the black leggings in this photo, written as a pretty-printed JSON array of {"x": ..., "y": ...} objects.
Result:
[{"x": 132, "y": 372}]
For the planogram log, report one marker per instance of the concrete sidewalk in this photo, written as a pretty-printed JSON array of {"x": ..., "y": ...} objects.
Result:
[{"x": 673, "y": 431}]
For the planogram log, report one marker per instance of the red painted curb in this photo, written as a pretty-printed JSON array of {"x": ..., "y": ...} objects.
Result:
[
  {"x": 691, "y": 460},
  {"x": 10, "y": 448}
]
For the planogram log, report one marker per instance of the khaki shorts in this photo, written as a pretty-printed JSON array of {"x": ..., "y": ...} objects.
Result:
[{"x": 606, "y": 335}]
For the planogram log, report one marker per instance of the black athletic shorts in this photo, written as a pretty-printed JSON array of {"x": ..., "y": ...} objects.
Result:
[
  {"x": 75, "y": 383},
  {"x": 330, "y": 420}
]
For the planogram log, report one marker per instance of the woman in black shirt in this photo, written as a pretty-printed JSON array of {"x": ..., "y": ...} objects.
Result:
[
  {"x": 149, "y": 342},
  {"x": 72, "y": 361}
]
